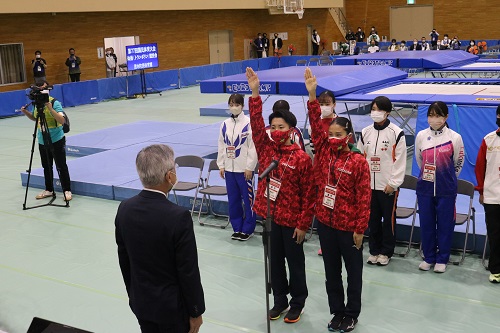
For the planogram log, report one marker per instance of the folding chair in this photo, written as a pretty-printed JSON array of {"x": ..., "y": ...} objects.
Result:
[
  {"x": 301, "y": 62},
  {"x": 485, "y": 261},
  {"x": 409, "y": 183},
  {"x": 212, "y": 190},
  {"x": 314, "y": 61},
  {"x": 464, "y": 188},
  {"x": 189, "y": 161},
  {"x": 325, "y": 61}
]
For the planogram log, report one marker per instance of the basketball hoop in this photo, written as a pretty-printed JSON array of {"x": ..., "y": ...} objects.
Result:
[
  {"x": 294, "y": 7},
  {"x": 300, "y": 14}
]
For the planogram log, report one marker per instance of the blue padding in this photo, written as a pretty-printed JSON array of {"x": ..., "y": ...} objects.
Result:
[
  {"x": 268, "y": 63},
  {"x": 411, "y": 63},
  {"x": 488, "y": 60},
  {"x": 194, "y": 75},
  {"x": 346, "y": 61},
  {"x": 472, "y": 123},
  {"x": 115, "y": 87},
  {"x": 288, "y": 61},
  {"x": 442, "y": 59},
  {"x": 290, "y": 80},
  {"x": 162, "y": 80},
  {"x": 11, "y": 101},
  {"x": 79, "y": 93},
  {"x": 252, "y": 63},
  {"x": 134, "y": 84},
  {"x": 123, "y": 136},
  {"x": 232, "y": 68},
  {"x": 200, "y": 136},
  {"x": 57, "y": 93},
  {"x": 378, "y": 62},
  {"x": 484, "y": 68}
]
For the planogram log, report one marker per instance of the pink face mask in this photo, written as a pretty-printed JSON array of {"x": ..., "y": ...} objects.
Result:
[
  {"x": 280, "y": 137},
  {"x": 436, "y": 122}
]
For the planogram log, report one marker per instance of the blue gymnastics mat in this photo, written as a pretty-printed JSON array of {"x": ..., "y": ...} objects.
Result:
[
  {"x": 410, "y": 59},
  {"x": 123, "y": 135},
  {"x": 290, "y": 80}
]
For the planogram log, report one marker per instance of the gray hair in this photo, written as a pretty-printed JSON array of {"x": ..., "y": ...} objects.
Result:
[{"x": 153, "y": 163}]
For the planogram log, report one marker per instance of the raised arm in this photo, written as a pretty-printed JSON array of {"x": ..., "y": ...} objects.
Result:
[
  {"x": 318, "y": 135},
  {"x": 259, "y": 135}
]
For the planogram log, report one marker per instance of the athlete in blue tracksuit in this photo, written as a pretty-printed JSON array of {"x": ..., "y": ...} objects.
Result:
[
  {"x": 237, "y": 159},
  {"x": 439, "y": 153}
]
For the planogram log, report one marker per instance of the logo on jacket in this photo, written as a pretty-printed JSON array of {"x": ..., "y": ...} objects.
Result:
[
  {"x": 344, "y": 171},
  {"x": 288, "y": 165}
]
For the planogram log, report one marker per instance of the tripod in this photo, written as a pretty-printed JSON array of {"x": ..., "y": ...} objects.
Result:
[{"x": 41, "y": 121}]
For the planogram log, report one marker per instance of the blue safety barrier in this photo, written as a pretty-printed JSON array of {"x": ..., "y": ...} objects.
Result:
[
  {"x": 11, "y": 101},
  {"x": 162, "y": 80},
  {"x": 268, "y": 63},
  {"x": 232, "y": 68},
  {"x": 191, "y": 76},
  {"x": 253, "y": 63},
  {"x": 112, "y": 88},
  {"x": 78, "y": 93}
]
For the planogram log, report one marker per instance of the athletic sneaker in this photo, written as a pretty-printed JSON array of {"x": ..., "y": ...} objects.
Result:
[
  {"x": 495, "y": 278},
  {"x": 320, "y": 252},
  {"x": 67, "y": 196},
  {"x": 236, "y": 235},
  {"x": 372, "y": 260},
  {"x": 424, "y": 266},
  {"x": 440, "y": 268},
  {"x": 245, "y": 237},
  {"x": 383, "y": 260},
  {"x": 276, "y": 311},
  {"x": 293, "y": 315},
  {"x": 347, "y": 324},
  {"x": 334, "y": 324},
  {"x": 44, "y": 194}
]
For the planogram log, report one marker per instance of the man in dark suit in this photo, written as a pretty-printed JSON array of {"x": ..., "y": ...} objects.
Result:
[
  {"x": 277, "y": 45},
  {"x": 157, "y": 250}
]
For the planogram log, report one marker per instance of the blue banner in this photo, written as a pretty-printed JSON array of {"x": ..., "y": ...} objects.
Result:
[{"x": 142, "y": 56}]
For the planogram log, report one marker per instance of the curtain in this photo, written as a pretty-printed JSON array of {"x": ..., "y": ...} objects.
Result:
[{"x": 12, "y": 68}]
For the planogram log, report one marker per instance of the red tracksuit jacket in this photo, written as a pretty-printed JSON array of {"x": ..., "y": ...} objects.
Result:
[
  {"x": 293, "y": 206},
  {"x": 349, "y": 171}
]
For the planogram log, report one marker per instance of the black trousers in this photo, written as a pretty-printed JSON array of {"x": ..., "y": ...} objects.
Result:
[
  {"x": 283, "y": 246},
  {"x": 59, "y": 156},
  {"x": 492, "y": 213},
  {"x": 382, "y": 223},
  {"x": 75, "y": 77},
  {"x": 315, "y": 49},
  {"x": 337, "y": 245},
  {"x": 151, "y": 327}
]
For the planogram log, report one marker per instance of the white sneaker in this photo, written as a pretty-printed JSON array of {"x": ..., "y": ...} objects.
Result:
[
  {"x": 44, "y": 194},
  {"x": 68, "y": 196},
  {"x": 440, "y": 268},
  {"x": 494, "y": 278},
  {"x": 424, "y": 266},
  {"x": 372, "y": 260},
  {"x": 383, "y": 260}
]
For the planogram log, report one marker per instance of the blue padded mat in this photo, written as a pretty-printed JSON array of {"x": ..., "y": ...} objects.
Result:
[
  {"x": 410, "y": 59},
  {"x": 290, "y": 80},
  {"x": 200, "y": 136},
  {"x": 122, "y": 136}
]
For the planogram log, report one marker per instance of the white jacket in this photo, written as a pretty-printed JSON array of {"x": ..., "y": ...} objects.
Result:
[
  {"x": 236, "y": 132},
  {"x": 384, "y": 146},
  {"x": 488, "y": 168}
]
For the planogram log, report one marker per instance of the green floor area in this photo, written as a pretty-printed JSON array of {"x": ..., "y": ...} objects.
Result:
[{"x": 61, "y": 263}]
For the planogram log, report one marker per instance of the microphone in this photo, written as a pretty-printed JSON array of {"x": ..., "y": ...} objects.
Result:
[{"x": 271, "y": 167}]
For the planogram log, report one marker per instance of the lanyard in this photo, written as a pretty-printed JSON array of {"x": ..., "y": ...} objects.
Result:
[
  {"x": 329, "y": 168},
  {"x": 284, "y": 169}
]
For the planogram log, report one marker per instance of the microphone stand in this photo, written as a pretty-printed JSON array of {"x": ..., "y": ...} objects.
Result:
[{"x": 266, "y": 241}]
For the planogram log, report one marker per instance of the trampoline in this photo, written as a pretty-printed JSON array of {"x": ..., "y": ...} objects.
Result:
[{"x": 477, "y": 69}]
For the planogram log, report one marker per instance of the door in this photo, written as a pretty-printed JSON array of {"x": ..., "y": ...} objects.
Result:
[
  {"x": 118, "y": 44},
  {"x": 221, "y": 46},
  {"x": 411, "y": 22}
]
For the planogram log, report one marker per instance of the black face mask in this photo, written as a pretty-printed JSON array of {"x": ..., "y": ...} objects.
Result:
[{"x": 498, "y": 122}]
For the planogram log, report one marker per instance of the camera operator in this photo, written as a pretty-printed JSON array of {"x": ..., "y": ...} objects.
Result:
[
  {"x": 39, "y": 66},
  {"x": 54, "y": 115},
  {"x": 73, "y": 62}
]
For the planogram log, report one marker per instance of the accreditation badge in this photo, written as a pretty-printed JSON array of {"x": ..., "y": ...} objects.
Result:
[
  {"x": 429, "y": 173},
  {"x": 329, "y": 196},
  {"x": 274, "y": 188}
]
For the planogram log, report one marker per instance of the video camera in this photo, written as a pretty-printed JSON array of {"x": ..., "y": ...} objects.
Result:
[{"x": 39, "y": 94}]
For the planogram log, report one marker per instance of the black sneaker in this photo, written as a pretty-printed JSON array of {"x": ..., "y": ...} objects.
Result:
[
  {"x": 236, "y": 236},
  {"x": 293, "y": 315},
  {"x": 276, "y": 311},
  {"x": 347, "y": 324},
  {"x": 334, "y": 324},
  {"x": 245, "y": 237}
]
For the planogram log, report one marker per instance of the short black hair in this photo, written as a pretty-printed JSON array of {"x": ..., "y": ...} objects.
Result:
[
  {"x": 71, "y": 49},
  {"x": 439, "y": 108},
  {"x": 345, "y": 123},
  {"x": 383, "y": 103},
  {"x": 403, "y": 41},
  {"x": 498, "y": 110},
  {"x": 393, "y": 40},
  {"x": 327, "y": 93},
  {"x": 38, "y": 51},
  {"x": 236, "y": 99},
  {"x": 286, "y": 115},
  {"x": 281, "y": 105}
]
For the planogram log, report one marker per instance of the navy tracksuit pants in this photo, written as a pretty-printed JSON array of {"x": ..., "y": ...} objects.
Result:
[{"x": 242, "y": 217}]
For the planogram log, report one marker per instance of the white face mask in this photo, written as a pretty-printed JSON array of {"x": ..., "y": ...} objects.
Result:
[
  {"x": 176, "y": 180},
  {"x": 326, "y": 111},
  {"x": 378, "y": 116},
  {"x": 38, "y": 56},
  {"x": 235, "y": 110},
  {"x": 436, "y": 122},
  {"x": 471, "y": 43}
]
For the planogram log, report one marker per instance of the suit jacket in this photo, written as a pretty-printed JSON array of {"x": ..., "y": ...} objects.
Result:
[
  {"x": 158, "y": 259},
  {"x": 280, "y": 42}
]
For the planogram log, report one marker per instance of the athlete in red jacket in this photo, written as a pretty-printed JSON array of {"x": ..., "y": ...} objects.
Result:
[
  {"x": 342, "y": 208},
  {"x": 291, "y": 202}
]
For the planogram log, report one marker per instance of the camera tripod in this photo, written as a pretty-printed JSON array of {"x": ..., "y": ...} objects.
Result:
[{"x": 41, "y": 121}]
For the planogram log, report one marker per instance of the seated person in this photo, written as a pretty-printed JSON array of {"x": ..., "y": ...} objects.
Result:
[{"x": 373, "y": 47}]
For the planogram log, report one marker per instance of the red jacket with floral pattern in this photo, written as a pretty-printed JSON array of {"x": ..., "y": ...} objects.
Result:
[
  {"x": 293, "y": 206},
  {"x": 348, "y": 171}
]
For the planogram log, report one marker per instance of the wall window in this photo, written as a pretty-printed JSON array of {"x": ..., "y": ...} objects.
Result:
[{"x": 12, "y": 69}]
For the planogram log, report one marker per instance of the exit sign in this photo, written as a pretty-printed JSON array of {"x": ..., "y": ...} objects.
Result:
[{"x": 410, "y": 2}]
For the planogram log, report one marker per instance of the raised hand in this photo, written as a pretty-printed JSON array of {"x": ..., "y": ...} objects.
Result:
[
  {"x": 311, "y": 84},
  {"x": 253, "y": 82}
]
